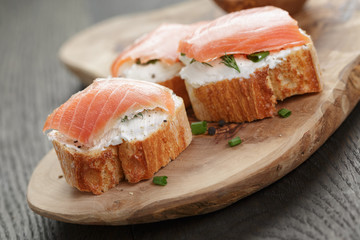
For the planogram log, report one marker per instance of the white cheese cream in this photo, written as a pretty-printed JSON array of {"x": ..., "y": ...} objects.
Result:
[
  {"x": 198, "y": 74},
  {"x": 133, "y": 129},
  {"x": 152, "y": 72}
]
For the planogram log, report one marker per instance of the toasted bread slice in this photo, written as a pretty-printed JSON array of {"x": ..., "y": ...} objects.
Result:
[
  {"x": 94, "y": 171},
  {"x": 97, "y": 171},
  {"x": 249, "y": 99},
  {"x": 298, "y": 74},
  {"x": 236, "y": 100}
]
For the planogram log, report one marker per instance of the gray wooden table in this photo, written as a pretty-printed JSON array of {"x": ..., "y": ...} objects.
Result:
[{"x": 318, "y": 200}]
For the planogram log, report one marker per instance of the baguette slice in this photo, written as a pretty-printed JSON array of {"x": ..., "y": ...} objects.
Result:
[
  {"x": 235, "y": 100},
  {"x": 94, "y": 171},
  {"x": 97, "y": 171},
  {"x": 249, "y": 99},
  {"x": 154, "y": 57},
  {"x": 298, "y": 74}
]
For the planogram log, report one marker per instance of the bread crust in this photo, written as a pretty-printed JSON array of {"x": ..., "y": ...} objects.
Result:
[
  {"x": 241, "y": 100},
  {"x": 141, "y": 159},
  {"x": 177, "y": 84},
  {"x": 97, "y": 171},
  {"x": 298, "y": 74},
  {"x": 91, "y": 171},
  {"x": 236, "y": 100}
]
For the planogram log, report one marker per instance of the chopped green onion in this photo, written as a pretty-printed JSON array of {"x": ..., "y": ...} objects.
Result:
[
  {"x": 207, "y": 64},
  {"x": 182, "y": 54},
  {"x": 152, "y": 61},
  {"x": 138, "y": 115},
  {"x": 198, "y": 127},
  {"x": 284, "y": 113},
  {"x": 160, "y": 180},
  {"x": 124, "y": 119},
  {"x": 235, "y": 141},
  {"x": 230, "y": 62},
  {"x": 257, "y": 57}
]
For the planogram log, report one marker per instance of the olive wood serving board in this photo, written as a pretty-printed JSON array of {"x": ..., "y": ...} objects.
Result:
[{"x": 210, "y": 175}]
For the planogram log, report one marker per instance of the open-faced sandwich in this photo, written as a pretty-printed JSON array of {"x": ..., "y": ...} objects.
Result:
[
  {"x": 117, "y": 129},
  {"x": 235, "y": 69},
  {"x": 154, "y": 57},
  {"x": 238, "y": 65}
]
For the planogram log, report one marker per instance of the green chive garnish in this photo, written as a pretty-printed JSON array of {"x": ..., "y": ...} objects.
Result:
[
  {"x": 138, "y": 115},
  {"x": 198, "y": 127},
  {"x": 235, "y": 141},
  {"x": 152, "y": 61},
  {"x": 160, "y": 180},
  {"x": 207, "y": 64},
  {"x": 230, "y": 62},
  {"x": 284, "y": 113},
  {"x": 148, "y": 62},
  {"x": 124, "y": 119},
  {"x": 257, "y": 57}
]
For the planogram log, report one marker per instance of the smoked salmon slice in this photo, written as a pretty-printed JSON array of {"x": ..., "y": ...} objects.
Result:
[
  {"x": 244, "y": 32},
  {"x": 161, "y": 44},
  {"x": 89, "y": 113}
]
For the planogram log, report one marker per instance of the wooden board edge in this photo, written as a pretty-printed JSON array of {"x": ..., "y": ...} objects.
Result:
[
  {"x": 43, "y": 212},
  {"x": 29, "y": 193}
]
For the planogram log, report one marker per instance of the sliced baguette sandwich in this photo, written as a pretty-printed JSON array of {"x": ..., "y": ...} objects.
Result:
[
  {"x": 236, "y": 71},
  {"x": 117, "y": 129},
  {"x": 154, "y": 57}
]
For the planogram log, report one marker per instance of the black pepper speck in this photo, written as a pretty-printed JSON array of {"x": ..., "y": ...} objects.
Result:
[
  {"x": 211, "y": 131},
  {"x": 221, "y": 123}
]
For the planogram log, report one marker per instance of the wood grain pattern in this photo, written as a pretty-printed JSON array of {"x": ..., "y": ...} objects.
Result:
[
  {"x": 318, "y": 200},
  {"x": 272, "y": 147}
]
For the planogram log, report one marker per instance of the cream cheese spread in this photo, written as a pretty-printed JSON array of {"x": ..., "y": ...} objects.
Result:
[
  {"x": 136, "y": 128},
  {"x": 152, "y": 72},
  {"x": 198, "y": 74}
]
